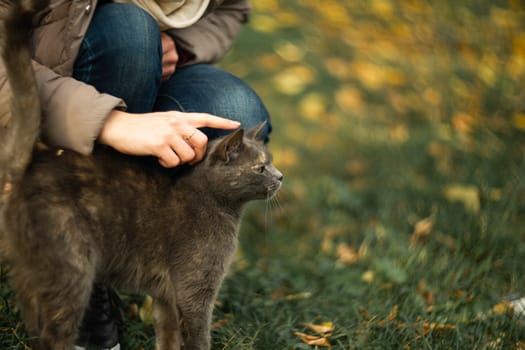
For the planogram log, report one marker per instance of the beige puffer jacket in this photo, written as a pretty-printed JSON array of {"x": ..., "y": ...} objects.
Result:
[{"x": 73, "y": 112}]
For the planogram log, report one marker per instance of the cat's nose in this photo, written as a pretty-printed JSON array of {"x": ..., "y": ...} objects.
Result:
[
  {"x": 279, "y": 176},
  {"x": 275, "y": 173}
]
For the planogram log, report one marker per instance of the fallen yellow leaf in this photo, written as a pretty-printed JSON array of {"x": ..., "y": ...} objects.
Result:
[
  {"x": 346, "y": 254},
  {"x": 463, "y": 122},
  {"x": 294, "y": 80},
  {"x": 502, "y": 308},
  {"x": 432, "y": 96},
  {"x": 313, "y": 339},
  {"x": 266, "y": 5},
  {"x": 368, "y": 276},
  {"x": 383, "y": 8},
  {"x": 434, "y": 327},
  {"x": 338, "y": 68},
  {"x": 146, "y": 310},
  {"x": 422, "y": 229},
  {"x": 391, "y": 316},
  {"x": 299, "y": 296},
  {"x": 286, "y": 158},
  {"x": 519, "y": 345},
  {"x": 287, "y": 18},
  {"x": 399, "y": 133},
  {"x": 349, "y": 98},
  {"x": 519, "y": 121},
  {"x": 263, "y": 23},
  {"x": 425, "y": 293},
  {"x": 313, "y": 106},
  {"x": 333, "y": 11},
  {"x": 393, "y": 313},
  {"x": 290, "y": 52},
  {"x": 219, "y": 324},
  {"x": 323, "y": 328},
  {"x": 466, "y": 194}
]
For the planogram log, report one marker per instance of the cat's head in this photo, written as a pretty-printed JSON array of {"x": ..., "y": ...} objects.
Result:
[{"x": 239, "y": 166}]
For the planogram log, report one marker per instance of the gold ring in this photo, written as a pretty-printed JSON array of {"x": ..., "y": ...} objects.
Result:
[{"x": 189, "y": 137}]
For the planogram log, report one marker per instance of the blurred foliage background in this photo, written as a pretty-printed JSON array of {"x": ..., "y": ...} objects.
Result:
[{"x": 399, "y": 126}]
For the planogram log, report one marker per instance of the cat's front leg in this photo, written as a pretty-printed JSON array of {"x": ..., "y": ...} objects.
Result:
[
  {"x": 167, "y": 324},
  {"x": 196, "y": 323}
]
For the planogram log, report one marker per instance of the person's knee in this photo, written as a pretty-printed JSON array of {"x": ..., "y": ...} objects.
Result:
[
  {"x": 237, "y": 101},
  {"x": 208, "y": 89},
  {"x": 247, "y": 107},
  {"x": 240, "y": 101}
]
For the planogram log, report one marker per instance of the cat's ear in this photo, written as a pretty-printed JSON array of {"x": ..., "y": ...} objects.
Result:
[
  {"x": 257, "y": 132},
  {"x": 230, "y": 146}
]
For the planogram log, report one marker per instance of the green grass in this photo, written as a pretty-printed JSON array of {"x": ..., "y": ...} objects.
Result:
[{"x": 387, "y": 115}]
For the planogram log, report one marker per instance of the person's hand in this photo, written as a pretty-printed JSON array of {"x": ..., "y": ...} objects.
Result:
[
  {"x": 170, "y": 57},
  {"x": 172, "y": 137}
]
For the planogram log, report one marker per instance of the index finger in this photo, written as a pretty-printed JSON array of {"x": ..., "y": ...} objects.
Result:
[{"x": 199, "y": 120}]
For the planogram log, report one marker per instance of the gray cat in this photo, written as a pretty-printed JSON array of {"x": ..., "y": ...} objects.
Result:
[{"x": 68, "y": 220}]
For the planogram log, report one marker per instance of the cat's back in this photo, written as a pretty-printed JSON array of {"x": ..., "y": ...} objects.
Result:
[
  {"x": 69, "y": 175},
  {"x": 95, "y": 198},
  {"x": 104, "y": 188}
]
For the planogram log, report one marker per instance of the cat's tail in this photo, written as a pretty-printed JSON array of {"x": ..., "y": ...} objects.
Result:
[{"x": 18, "y": 137}]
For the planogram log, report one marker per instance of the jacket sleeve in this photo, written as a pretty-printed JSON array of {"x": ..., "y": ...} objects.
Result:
[
  {"x": 73, "y": 112},
  {"x": 211, "y": 37}
]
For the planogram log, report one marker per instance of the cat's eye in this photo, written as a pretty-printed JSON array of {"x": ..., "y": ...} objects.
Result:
[{"x": 261, "y": 168}]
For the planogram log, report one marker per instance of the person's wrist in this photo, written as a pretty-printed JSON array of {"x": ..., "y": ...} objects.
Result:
[{"x": 107, "y": 132}]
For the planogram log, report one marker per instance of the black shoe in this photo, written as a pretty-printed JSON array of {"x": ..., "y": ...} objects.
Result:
[{"x": 99, "y": 327}]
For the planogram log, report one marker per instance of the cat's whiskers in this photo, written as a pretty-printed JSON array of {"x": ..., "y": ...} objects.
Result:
[
  {"x": 267, "y": 211},
  {"x": 272, "y": 203},
  {"x": 275, "y": 201}
]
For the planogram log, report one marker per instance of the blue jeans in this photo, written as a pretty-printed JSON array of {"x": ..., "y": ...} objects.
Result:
[{"x": 122, "y": 55}]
